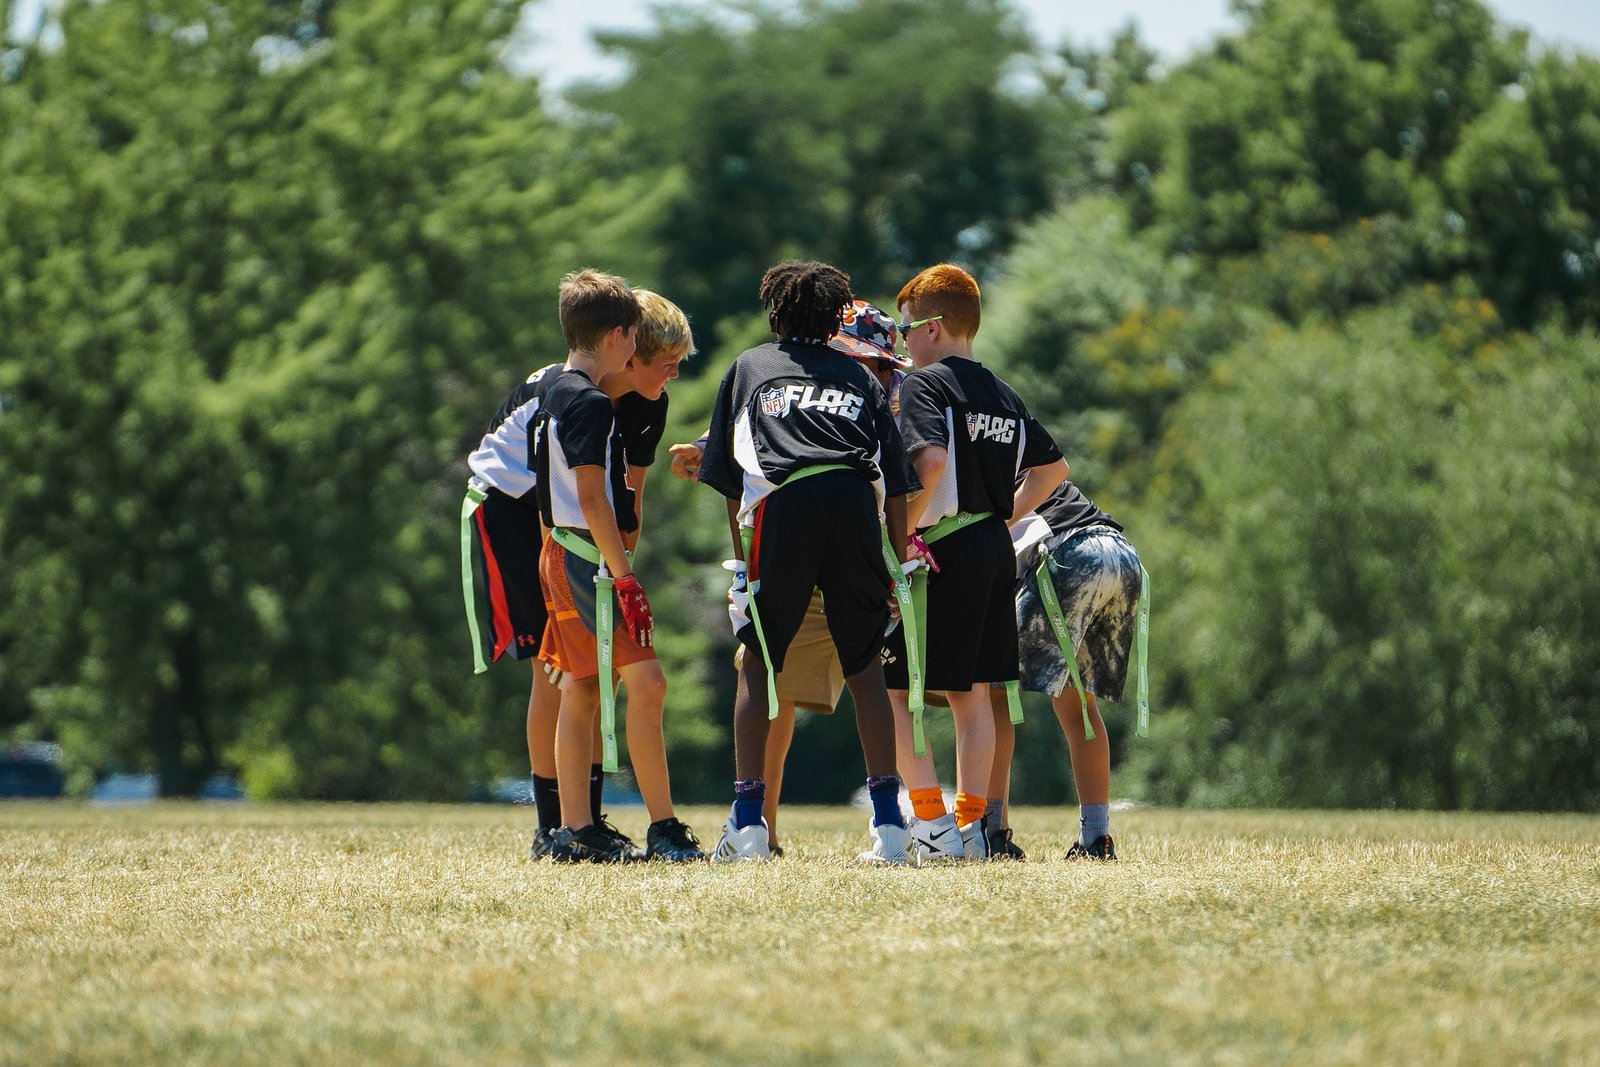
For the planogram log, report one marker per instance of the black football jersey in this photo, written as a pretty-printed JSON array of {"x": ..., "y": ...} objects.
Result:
[
  {"x": 984, "y": 427},
  {"x": 786, "y": 406},
  {"x": 572, "y": 428}
]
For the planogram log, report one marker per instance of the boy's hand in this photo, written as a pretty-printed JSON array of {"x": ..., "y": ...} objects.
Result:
[
  {"x": 635, "y": 610},
  {"x": 738, "y": 594},
  {"x": 917, "y": 552},
  {"x": 686, "y": 461}
]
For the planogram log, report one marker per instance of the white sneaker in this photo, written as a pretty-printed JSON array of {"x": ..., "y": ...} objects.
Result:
[
  {"x": 936, "y": 840},
  {"x": 891, "y": 847},
  {"x": 974, "y": 841},
  {"x": 748, "y": 845}
]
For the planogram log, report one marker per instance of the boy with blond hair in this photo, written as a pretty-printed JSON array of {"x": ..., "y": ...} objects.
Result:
[{"x": 971, "y": 439}]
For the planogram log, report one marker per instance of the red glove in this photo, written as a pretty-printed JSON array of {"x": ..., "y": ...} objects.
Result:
[
  {"x": 919, "y": 550},
  {"x": 635, "y": 610}
]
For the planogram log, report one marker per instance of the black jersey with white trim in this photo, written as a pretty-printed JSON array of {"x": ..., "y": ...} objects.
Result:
[
  {"x": 639, "y": 426},
  {"x": 984, "y": 427},
  {"x": 1068, "y": 509},
  {"x": 573, "y": 428},
  {"x": 503, "y": 458},
  {"x": 789, "y": 405}
]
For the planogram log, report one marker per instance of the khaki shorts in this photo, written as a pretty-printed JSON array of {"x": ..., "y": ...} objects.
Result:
[{"x": 811, "y": 676}]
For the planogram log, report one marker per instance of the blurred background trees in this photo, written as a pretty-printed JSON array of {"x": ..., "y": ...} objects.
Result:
[{"x": 1313, "y": 313}]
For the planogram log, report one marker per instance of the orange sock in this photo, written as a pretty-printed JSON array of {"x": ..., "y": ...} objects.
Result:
[
  {"x": 969, "y": 808},
  {"x": 927, "y": 804}
]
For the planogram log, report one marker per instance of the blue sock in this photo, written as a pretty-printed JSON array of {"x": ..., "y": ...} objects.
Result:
[
  {"x": 1094, "y": 822},
  {"x": 885, "y": 792},
  {"x": 749, "y": 795}
]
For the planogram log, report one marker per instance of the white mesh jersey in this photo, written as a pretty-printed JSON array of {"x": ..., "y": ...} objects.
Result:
[
  {"x": 786, "y": 406},
  {"x": 503, "y": 459},
  {"x": 571, "y": 429}
]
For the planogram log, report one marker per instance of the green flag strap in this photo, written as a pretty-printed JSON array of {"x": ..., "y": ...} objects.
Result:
[
  {"x": 603, "y": 625},
  {"x": 904, "y": 596},
  {"x": 917, "y": 645},
  {"x": 950, "y": 524},
  {"x": 1058, "y": 623},
  {"x": 577, "y": 544},
  {"x": 1014, "y": 701},
  {"x": 1141, "y": 648},
  {"x": 469, "y": 505},
  {"x": 746, "y": 536}
]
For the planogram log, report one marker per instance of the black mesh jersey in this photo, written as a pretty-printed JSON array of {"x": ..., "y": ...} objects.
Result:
[
  {"x": 504, "y": 460},
  {"x": 1068, "y": 509},
  {"x": 635, "y": 440},
  {"x": 572, "y": 428},
  {"x": 786, "y": 406},
  {"x": 960, "y": 406}
]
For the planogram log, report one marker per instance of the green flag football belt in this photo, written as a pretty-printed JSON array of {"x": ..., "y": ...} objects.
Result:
[
  {"x": 1141, "y": 645},
  {"x": 469, "y": 505},
  {"x": 917, "y": 628},
  {"x": 604, "y": 624}
]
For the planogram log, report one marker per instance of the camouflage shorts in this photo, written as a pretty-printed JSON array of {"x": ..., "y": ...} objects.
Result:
[{"x": 1095, "y": 573}]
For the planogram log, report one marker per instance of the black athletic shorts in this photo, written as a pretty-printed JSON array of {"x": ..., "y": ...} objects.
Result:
[
  {"x": 505, "y": 563},
  {"x": 821, "y": 532},
  {"x": 972, "y": 623}
]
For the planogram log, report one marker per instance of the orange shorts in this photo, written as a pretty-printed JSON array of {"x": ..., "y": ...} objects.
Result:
[{"x": 569, "y": 634}]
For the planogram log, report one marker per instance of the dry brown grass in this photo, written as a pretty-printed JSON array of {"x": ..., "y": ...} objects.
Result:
[{"x": 400, "y": 934}]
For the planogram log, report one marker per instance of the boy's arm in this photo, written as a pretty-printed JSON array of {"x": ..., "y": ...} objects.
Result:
[
  {"x": 601, "y": 519},
  {"x": 636, "y": 477},
  {"x": 929, "y": 462},
  {"x": 733, "y": 528},
  {"x": 894, "y": 521},
  {"x": 1036, "y": 485}
]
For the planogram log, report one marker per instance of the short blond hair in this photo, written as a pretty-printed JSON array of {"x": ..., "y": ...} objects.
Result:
[
  {"x": 663, "y": 329},
  {"x": 945, "y": 290}
]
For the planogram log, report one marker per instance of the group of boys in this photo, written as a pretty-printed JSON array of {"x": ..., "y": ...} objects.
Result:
[{"x": 919, "y": 520}]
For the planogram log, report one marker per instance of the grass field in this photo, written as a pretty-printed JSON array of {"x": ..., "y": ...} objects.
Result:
[{"x": 320, "y": 934}]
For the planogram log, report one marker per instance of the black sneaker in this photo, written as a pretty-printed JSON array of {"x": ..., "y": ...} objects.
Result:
[
  {"x": 543, "y": 840},
  {"x": 1001, "y": 847},
  {"x": 672, "y": 841},
  {"x": 1102, "y": 848},
  {"x": 592, "y": 845},
  {"x": 634, "y": 852}
]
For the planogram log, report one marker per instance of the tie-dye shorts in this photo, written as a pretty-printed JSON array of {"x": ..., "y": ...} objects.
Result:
[{"x": 1095, "y": 573}]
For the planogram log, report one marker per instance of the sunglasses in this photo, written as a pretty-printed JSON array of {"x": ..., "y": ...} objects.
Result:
[{"x": 907, "y": 327}]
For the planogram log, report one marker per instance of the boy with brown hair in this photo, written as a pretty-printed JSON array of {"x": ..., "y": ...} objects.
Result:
[
  {"x": 971, "y": 438},
  {"x": 575, "y": 461}
]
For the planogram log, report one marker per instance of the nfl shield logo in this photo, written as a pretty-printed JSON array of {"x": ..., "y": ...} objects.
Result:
[
  {"x": 773, "y": 402},
  {"x": 972, "y": 426}
]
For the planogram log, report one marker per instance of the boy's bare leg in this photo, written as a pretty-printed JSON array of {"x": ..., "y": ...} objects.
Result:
[
  {"x": 647, "y": 696},
  {"x": 1005, "y": 746},
  {"x": 780, "y": 734},
  {"x": 1091, "y": 760},
  {"x": 974, "y": 739},
  {"x": 875, "y": 718},
  {"x": 544, "y": 707},
  {"x": 580, "y": 706},
  {"x": 750, "y": 726},
  {"x": 917, "y": 772}
]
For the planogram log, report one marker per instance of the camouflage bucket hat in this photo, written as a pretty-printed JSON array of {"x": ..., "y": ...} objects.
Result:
[{"x": 867, "y": 333}]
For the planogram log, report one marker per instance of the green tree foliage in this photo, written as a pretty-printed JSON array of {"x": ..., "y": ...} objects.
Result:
[
  {"x": 882, "y": 135},
  {"x": 1320, "y": 115},
  {"x": 1381, "y": 596},
  {"x": 259, "y": 296}
]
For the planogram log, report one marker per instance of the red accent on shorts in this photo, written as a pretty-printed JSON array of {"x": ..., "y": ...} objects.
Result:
[
  {"x": 751, "y": 569},
  {"x": 497, "y": 593}
]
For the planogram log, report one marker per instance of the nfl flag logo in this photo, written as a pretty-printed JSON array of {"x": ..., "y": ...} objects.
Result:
[{"x": 773, "y": 402}]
